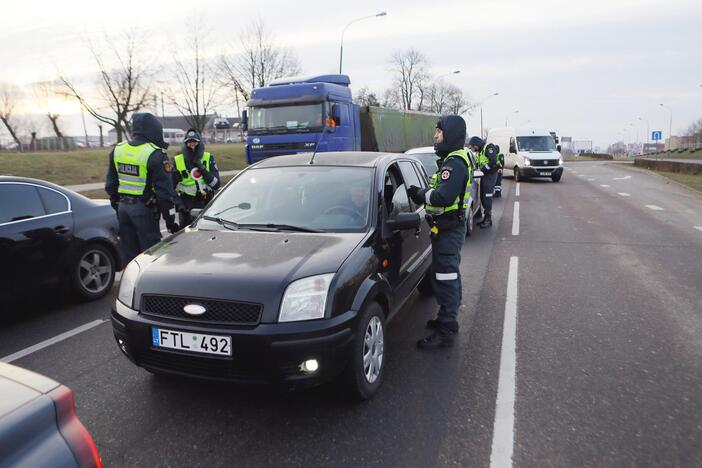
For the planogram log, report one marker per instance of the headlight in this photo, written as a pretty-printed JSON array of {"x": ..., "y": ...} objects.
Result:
[
  {"x": 560, "y": 161},
  {"x": 305, "y": 299},
  {"x": 527, "y": 162},
  {"x": 127, "y": 283}
]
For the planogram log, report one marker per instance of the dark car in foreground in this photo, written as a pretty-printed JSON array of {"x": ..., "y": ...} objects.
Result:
[
  {"x": 429, "y": 160},
  {"x": 289, "y": 275},
  {"x": 53, "y": 237},
  {"x": 38, "y": 423}
]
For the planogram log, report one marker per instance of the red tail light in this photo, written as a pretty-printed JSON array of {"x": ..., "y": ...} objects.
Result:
[{"x": 73, "y": 431}]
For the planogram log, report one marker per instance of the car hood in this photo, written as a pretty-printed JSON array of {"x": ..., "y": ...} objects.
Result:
[{"x": 246, "y": 266}]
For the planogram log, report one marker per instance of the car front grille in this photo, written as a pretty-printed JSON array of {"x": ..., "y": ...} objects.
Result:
[
  {"x": 217, "y": 311},
  {"x": 544, "y": 162}
]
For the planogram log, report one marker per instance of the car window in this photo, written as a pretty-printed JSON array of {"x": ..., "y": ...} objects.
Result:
[
  {"x": 409, "y": 174},
  {"x": 19, "y": 201},
  {"x": 395, "y": 192},
  {"x": 54, "y": 202}
]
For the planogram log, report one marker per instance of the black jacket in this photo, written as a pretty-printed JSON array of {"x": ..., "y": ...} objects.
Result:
[
  {"x": 147, "y": 128},
  {"x": 453, "y": 172},
  {"x": 193, "y": 159}
]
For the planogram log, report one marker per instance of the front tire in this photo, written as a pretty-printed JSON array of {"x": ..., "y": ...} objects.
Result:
[
  {"x": 93, "y": 274},
  {"x": 517, "y": 174},
  {"x": 469, "y": 220},
  {"x": 364, "y": 374}
]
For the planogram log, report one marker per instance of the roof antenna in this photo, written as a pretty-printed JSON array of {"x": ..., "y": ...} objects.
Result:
[{"x": 315, "y": 151}]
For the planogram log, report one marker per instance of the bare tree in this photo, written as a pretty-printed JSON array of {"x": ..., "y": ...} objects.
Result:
[
  {"x": 391, "y": 99},
  {"x": 123, "y": 90},
  {"x": 695, "y": 129},
  {"x": 9, "y": 95},
  {"x": 44, "y": 92},
  {"x": 365, "y": 97},
  {"x": 259, "y": 61},
  {"x": 457, "y": 103},
  {"x": 409, "y": 67},
  {"x": 438, "y": 97},
  {"x": 196, "y": 91}
]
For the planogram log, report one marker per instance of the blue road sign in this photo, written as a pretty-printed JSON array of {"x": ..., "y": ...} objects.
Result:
[{"x": 656, "y": 136}]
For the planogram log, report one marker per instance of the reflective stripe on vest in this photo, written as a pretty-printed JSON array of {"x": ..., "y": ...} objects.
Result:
[
  {"x": 187, "y": 184},
  {"x": 439, "y": 210},
  {"x": 131, "y": 164}
]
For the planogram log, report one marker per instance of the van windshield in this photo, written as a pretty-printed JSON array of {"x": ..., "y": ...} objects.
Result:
[
  {"x": 286, "y": 119},
  {"x": 536, "y": 143}
]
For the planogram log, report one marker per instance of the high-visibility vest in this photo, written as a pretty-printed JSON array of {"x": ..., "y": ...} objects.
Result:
[
  {"x": 439, "y": 210},
  {"x": 131, "y": 164},
  {"x": 187, "y": 184}
]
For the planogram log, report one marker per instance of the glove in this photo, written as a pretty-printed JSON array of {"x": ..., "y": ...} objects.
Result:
[
  {"x": 416, "y": 194},
  {"x": 172, "y": 227}
]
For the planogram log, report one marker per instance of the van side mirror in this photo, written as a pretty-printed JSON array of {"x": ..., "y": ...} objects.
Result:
[
  {"x": 336, "y": 113},
  {"x": 404, "y": 221},
  {"x": 558, "y": 148},
  {"x": 512, "y": 149},
  {"x": 245, "y": 121}
]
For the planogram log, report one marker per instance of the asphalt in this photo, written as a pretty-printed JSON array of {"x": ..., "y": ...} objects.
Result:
[{"x": 608, "y": 354}]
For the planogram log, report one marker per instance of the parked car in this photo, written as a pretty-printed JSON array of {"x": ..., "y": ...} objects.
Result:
[
  {"x": 428, "y": 158},
  {"x": 38, "y": 423},
  {"x": 51, "y": 236},
  {"x": 289, "y": 275}
]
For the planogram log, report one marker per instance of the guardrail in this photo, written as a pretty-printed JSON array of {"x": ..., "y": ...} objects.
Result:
[{"x": 685, "y": 166}]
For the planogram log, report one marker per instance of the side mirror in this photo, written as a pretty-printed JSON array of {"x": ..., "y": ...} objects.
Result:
[
  {"x": 558, "y": 148},
  {"x": 478, "y": 174},
  {"x": 336, "y": 114},
  {"x": 513, "y": 149},
  {"x": 404, "y": 221},
  {"x": 245, "y": 121}
]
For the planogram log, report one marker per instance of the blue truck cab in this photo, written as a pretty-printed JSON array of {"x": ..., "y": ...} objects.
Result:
[{"x": 302, "y": 114}]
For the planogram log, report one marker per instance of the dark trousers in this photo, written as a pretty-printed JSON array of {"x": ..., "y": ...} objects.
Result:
[
  {"x": 184, "y": 218},
  {"x": 446, "y": 272},
  {"x": 498, "y": 182},
  {"x": 138, "y": 228},
  {"x": 487, "y": 186}
]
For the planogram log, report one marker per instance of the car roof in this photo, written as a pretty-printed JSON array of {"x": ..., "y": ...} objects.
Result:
[
  {"x": 420, "y": 150},
  {"x": 342, "y": 158},
  {"x": 29, "y": 180}
]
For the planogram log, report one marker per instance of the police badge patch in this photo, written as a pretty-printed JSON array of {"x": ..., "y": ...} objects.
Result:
[{"x": 445, "y": 174}]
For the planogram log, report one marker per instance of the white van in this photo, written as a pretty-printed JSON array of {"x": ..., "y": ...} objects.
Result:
[
  {"x": 529, "y": 152},
  {"x": 173, "y": 136}
]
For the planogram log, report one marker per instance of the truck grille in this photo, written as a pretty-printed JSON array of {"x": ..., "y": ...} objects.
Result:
[
  {"x": 544, "y": 162},
  {"x": 217, "y": 312}
]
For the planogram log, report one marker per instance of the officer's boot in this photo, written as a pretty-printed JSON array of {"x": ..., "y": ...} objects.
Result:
[
  {"x": 441, "y": 338},
  {"x": 434, "y": 324},
  {"x": 498, "y": 192},
  {"x": 487, "y": 222}
]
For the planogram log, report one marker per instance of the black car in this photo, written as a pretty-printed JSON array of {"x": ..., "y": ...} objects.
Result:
[
  {"x": 428, "y": 158},
  {"x": 53, "y": 237},
  {"x": 289, "y": 275}
]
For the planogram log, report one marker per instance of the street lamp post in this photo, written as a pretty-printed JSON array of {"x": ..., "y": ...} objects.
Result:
[
  {"x": 648, "y": 129},
  {"x": 481, "y": 111},
  {"x": 670, "y": 125},
  {"x": 341, "y": 50},
  {"x": 507, "y": 116}
]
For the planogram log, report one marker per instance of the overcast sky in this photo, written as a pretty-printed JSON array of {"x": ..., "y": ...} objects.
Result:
[{"x": 587, "y": 69}]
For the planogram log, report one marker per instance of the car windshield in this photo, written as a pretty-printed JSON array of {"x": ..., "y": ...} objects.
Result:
[
  {"x": 536, "y": 143},
  {"x": 286, "y": 119},
  {"x": 428, "y": 160},
  {"x": 310, "y": 197}
]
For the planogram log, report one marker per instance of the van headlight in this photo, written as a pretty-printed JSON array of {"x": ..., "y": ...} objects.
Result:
[
  {"x": 305, "y": 299},
  {"x": 127, "y": 284},
  {"x": 560, "y": 161},
  {"x": 527, "y": 162}
]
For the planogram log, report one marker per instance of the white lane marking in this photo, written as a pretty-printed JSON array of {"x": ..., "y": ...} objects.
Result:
[
  {"x": 517, "y": 191},
  {"x": 622, "y": 178},
  {"x": 581, "y": 175},
  {"x": 503, "y": 430},
  {"x": 623, "y": 194},
  {"x": 604, "y": 185},
  {"x": 515, "y": 219},
  {"x": 591, "y": 179},
  {"x": 654, "y": 207},
  {"x": 699, "y": 228},
  {"x": 51, "y": 341}
]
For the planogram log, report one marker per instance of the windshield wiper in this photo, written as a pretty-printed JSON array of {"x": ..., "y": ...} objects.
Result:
[
  {"x": 231, "y": 225},
  {"x": 281, "y": 227}
]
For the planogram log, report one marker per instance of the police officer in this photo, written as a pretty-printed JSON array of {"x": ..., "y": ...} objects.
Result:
[
  {"x": 487, "y": 162},
  {"x": 445, "y": 203},
  {"x": 196, "y": 176},
  {"x": 500, "y": 167},
  {"x": 139, "y": 186}
]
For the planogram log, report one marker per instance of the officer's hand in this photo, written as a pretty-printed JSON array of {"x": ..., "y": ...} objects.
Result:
[
  {"x": 172, "y": 227},
  {"x": 415, "y": 194}
]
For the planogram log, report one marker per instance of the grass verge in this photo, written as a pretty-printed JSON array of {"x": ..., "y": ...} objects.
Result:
[
  {"x": 689, "y": 180},
  {"x": 86, "y": 166}
]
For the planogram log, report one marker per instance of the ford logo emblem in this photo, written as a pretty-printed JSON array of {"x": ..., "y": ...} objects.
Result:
[
  {"x": 257, "y": 140},
  {"x": 194, "y": 309}
]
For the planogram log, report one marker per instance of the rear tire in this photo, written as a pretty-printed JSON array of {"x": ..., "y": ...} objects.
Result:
[
  {"x": 93, "y": 273},
  {"x": 517, "y": 174},
  {"x": 364, "y": 373}
]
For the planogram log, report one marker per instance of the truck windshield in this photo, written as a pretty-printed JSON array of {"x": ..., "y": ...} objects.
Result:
[
  {"x": 286, "y": 119},
  {"x": 312, "y": 197},
  {"x": 536, "y": 143}
]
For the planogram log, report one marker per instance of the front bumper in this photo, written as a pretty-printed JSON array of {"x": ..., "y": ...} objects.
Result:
[
  {"x": 266, "y": 353},
  {"x": 531, "y": 171}
]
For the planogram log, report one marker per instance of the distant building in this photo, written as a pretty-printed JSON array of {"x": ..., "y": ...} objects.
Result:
[{"x": 683, "y": 142}]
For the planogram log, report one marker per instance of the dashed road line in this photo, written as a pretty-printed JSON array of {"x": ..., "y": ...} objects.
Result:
[
  {"x": 591, "y": 179},
  {"x": 503, "y": 429},
  {"x": 622, "y": 178},
  {"x": 581, "y": 175},
  {"x": 51, "y": 341},
  {"x": 604, "y": 185},
  {"x": 515, "y": 219},
  {"x": 654, "y": 207},
  {"x": 623, "y": 194},
  {"x": 516, "y": 193},
  {"x": 699, "y": 228}
]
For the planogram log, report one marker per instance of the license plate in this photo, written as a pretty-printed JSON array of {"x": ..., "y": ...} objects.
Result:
[
  {"x": 193, "y": 342},
  {"x": 545, "y": 173}
]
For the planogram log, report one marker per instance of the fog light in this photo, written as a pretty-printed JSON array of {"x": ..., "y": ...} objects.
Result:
[
  {"x": 122, "y": 345},
  {"x": 309, "y": 366}
]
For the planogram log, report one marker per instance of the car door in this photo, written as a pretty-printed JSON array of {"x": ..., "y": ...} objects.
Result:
[{"x": 36, "y": 229}]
